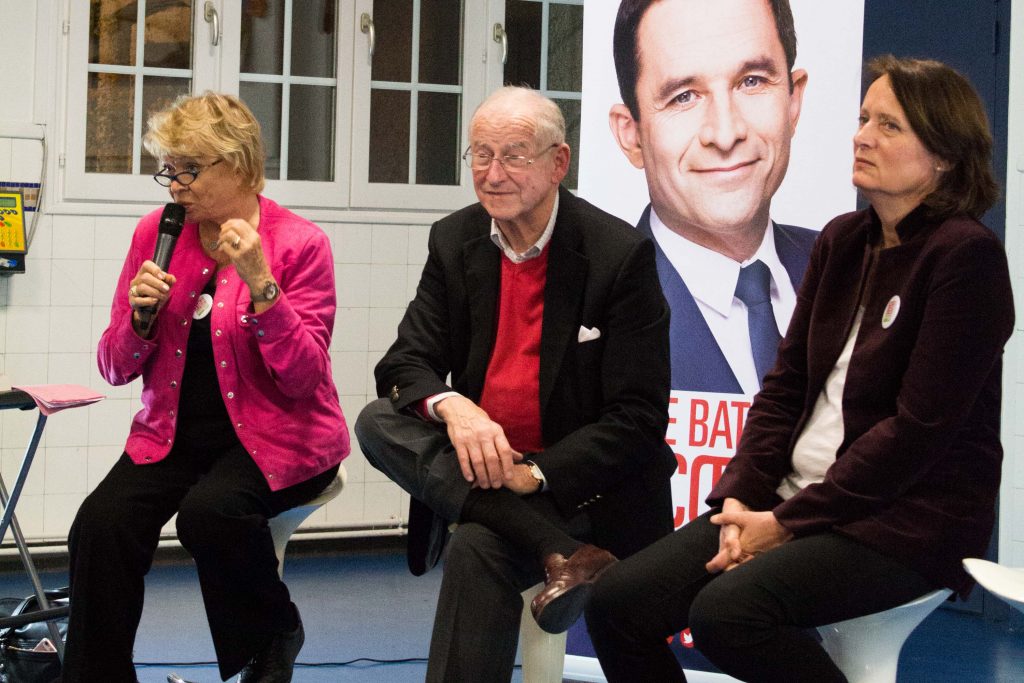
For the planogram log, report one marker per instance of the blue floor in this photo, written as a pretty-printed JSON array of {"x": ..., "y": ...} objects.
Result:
[{"x": 366, "y": 605}]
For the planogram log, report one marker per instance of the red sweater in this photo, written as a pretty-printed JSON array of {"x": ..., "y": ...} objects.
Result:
[{"x": 511, "y": 395}]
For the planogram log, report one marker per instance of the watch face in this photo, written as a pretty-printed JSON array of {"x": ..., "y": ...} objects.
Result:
[{"x": 270, "y": 291}]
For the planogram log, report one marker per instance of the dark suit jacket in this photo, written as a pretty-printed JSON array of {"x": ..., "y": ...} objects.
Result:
[
  {"x": 604, "y": 403},
  {"x": 698, "y": 363},
  {"x": 918, "y": 470}
]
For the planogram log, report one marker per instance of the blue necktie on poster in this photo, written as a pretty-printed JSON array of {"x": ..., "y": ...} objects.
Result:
[{"x": 754, "y": 289}]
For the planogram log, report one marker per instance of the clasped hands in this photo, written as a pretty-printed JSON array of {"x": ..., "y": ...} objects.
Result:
[
  {"x": 744, "y": 534},
  {"x": 240, "y": 244},
  {"x": 485, "y": 456}
]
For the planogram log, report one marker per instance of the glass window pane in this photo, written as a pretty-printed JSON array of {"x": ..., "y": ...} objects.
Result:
[
  {"x": 565, "y": 48},
  {"x": 158, "y": 93},
  {"x": 169, "y": 34},
  {"x": 440, "y": 42},
  {"x": 389, "y": 136},
  {"x": 392, "y": 57},
  {"x": 437, "y": 143},
  {"x": 108, "y": 123},
  {"x": 264, "y": 99},
  {"x": 262, "y": 37},
  {"x": 313, "y": 39},
  {"x": 571, "y": 112},
  {"x": 311, "y": 133},
  {"x": 112, "y": 25},
  {"x": 523, "y": 25}
]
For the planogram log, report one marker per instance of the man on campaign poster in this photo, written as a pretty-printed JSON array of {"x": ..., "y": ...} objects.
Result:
[{"x": 711, "y": 102}]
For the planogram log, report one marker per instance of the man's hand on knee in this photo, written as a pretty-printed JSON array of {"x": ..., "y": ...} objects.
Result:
[{"x": 485, "y": 456}]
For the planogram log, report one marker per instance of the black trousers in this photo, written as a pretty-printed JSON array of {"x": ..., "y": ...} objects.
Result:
[
  {"x": 223, "y": 503},
  {"x": 752, "y": 622},
  {"x": 476, "y": 623}
]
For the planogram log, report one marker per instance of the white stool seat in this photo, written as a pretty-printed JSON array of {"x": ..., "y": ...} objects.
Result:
[
  {"x": 543, "y": 652},
  {"x": 867, "y": 649},
  {"x": 284, "y": 525},
  {"x": 1004, "y": 582}
]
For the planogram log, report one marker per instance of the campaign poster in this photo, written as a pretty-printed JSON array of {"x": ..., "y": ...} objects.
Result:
[{"x": 710, "y": 148}]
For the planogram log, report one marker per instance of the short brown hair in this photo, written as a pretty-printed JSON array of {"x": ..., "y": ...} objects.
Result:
[
  {"x": 210, "y": 125},
  {"x": 627, "y": 52},
  {"x": 948, "y": 117}
]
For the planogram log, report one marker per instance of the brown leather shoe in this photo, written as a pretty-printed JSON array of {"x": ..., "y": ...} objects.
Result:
[{"x": 567, "y": 586}]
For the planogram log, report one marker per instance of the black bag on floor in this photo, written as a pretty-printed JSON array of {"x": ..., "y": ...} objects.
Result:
[{"x": 24, "y": 656}]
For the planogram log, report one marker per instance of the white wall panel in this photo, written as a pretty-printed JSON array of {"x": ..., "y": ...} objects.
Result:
[
  {"x": 1011, "y": 527},
  {"x": 18, "y": 47}
]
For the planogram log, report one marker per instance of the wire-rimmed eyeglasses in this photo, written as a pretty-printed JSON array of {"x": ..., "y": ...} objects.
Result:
[
  {"x": 185, "y": 178},
  {"x": 481, "y": 161}
]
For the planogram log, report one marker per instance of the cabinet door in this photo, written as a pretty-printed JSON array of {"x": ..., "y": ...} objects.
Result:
[
  {"x": 419, "y": 71},
  {"x": 545, "y": 52},
  {"x": 129, "y": 58}
]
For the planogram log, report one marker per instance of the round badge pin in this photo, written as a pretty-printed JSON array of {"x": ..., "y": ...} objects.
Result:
[
  {"x": 203, "y": 306},
  {"x": 892, "y": 309}
]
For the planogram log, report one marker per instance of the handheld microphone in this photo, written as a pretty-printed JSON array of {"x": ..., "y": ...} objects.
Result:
[{"x": 171, "y": 222}]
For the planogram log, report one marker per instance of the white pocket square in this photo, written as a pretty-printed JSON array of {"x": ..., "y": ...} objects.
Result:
[{"x": 588, "y": 334}]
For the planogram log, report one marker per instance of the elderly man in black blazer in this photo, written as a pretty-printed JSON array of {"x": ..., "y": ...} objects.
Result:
[{"x": 525, "y": 397}]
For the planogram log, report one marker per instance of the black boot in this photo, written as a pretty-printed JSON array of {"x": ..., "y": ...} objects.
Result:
[{"x": 275, "y": 663}]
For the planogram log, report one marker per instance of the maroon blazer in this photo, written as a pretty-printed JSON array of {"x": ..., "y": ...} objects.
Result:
[{"x": 918, "y": 470}]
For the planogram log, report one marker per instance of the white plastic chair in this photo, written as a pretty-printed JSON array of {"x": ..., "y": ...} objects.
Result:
[
  {"x": 867, "y": 649},
  {"x": 1004, "y": 582},
  {"x": 543, "y": 652},
  {"x": 284, "y": 525}
]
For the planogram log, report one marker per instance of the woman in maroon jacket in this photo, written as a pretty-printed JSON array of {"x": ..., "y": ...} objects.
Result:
[{"x": 870, "y": 461}]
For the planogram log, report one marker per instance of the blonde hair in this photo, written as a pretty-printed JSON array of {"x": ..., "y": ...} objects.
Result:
[{"x": 210, "y": 125}]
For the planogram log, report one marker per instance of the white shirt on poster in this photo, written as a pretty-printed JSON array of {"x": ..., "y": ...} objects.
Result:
[{"x": 711, "y": 278}]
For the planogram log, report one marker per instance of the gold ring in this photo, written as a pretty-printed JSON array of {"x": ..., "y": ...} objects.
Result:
[{"x": 134, "y": 292}]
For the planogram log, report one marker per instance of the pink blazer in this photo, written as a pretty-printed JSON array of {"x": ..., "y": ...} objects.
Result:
[{"x": 274, "y": 369}]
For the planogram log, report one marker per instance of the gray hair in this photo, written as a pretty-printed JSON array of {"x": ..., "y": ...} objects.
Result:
[{"x": 545, "y": 113}]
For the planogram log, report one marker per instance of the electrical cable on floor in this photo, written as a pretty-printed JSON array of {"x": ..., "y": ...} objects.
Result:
[{"x": 309, "y": 665}]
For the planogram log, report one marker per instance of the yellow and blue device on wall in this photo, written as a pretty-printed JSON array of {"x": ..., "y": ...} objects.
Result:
[{"x": 12, "y": 232}]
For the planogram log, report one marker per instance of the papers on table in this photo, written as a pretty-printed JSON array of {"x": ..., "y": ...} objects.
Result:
[{"x": 51, "y": 398}]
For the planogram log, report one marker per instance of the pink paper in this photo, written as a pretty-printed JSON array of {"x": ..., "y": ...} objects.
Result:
[{"x": 51, "y": 398}]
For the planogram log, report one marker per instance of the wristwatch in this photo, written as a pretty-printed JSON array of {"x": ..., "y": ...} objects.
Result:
[
  {"x": 536, "y": 473},
  {"x": 269, "y": 293}
]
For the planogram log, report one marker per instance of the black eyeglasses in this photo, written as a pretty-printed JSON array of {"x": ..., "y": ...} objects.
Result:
[{"x": 185, "y": 178}]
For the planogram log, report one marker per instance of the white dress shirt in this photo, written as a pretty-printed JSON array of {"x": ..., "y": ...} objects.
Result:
[
  {"x": 711, "y": 278},
  {"x": 533, "y": 251}
]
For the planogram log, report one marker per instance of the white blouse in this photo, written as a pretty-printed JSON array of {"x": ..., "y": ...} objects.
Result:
[{"x": 816, "y": 447}]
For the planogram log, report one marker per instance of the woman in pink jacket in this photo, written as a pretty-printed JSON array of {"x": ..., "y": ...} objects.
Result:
[{"x": 240, "y": 418}]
